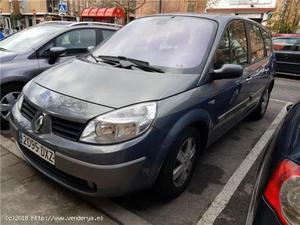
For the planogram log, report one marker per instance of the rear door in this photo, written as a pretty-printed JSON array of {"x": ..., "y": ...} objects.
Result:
[
  {"x": 75, "y": 41},
  {"x": 259, "y": 69}
]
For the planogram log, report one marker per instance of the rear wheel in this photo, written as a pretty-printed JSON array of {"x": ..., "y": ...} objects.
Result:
[
  {"x": 9, "y": 95},
  {"x": 179, "y": 165},
  {"x": 262, "y": 107}
]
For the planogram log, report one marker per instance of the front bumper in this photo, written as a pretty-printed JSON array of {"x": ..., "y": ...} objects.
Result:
[{"x": 90, "y": 169}]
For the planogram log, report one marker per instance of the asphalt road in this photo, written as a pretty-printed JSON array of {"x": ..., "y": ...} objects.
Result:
[{"x": 213, "y": 173}]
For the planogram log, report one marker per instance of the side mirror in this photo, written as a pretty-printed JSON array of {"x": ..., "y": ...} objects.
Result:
[
  {"x": 228, "y": 71},
  {"x": 90, "y": 48},
  {"x": 54, "y": 53}
]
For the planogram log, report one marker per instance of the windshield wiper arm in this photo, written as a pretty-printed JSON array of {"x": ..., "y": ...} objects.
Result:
[
  {"x": 94, "y": 57},
  {"x": 3, "y": 49},
  {"x": 134, "y": 62}
]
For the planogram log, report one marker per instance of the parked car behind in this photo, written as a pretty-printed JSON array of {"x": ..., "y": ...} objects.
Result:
[
  {"x": 287, "y": 52},
  {"x": 139, "y": 110},
  {"x": 275, "y": 199},
  {"x": 34, "y": 50}
]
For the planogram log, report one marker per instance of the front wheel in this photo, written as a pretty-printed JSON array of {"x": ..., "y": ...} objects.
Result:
[
  {"x": 179, "y": 165},
  {"x": 9, "y": 95},
  {"x": 260, "y": 111}
]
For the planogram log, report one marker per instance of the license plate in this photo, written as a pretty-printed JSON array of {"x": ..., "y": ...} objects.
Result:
[{"x": 37, "y": 148}]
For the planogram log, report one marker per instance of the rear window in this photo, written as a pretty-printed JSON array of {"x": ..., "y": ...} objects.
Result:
[{"x": 286, "y": 44}]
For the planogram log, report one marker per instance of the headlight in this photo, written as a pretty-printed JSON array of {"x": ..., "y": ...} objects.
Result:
[{"x": 120, "y": 125}]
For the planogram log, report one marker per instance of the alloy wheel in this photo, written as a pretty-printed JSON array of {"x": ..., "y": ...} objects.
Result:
[
  {"x": 7, "y": 102},
  {"x": 184, "y": 161}
]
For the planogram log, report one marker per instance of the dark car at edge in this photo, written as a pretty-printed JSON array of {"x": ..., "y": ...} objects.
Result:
[
  {"x": 287, "y": 52},
  {"x": 276, "y": 196},
  {"x": 138, "y": 111}
]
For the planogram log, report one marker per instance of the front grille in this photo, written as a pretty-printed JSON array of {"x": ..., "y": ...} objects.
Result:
[
  {"x": 70, "y": 180},
  {"x": 28, "y": 110},
  {"x": 66, "y": 129},
  {"x": 60, "y": 127}
]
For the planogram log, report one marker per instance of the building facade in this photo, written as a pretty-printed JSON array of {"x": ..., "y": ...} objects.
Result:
[
  {"x": 16, "y": 14},
  {"x": 151, "y": 7}
]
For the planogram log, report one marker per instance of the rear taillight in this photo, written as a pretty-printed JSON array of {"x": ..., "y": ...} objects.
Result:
[{"x": 283, "y": 192}]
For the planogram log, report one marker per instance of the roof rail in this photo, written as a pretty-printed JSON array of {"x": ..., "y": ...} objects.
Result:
[
  {"x": 95, "y": 23},
  {"x": 55, "y": 22}
]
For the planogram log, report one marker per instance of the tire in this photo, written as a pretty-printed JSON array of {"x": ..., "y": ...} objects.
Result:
[
  {"x": 261, "y": 109},
  {"x": 9, "y": 94},
  {"x": 167, "y": 184}
]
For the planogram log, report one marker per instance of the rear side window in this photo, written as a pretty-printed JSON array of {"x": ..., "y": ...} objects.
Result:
[
  {"x": 107, "y": 34},
  {"x": 233, "y": 46},
  {"x": 256, "y": 43},
  {"x": 268, "y": 42}
]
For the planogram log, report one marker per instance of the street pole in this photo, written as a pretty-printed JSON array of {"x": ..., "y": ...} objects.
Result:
[{"x": 160, "y": 6}]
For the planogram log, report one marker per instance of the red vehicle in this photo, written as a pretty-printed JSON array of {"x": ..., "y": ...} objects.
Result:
[{"x": 287, "y": 52}]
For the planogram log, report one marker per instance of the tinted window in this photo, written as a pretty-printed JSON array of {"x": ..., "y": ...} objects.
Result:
[
  {"x": 238, "y": 43},
  {"x": 172, "y": 42},
  {"x": 256, "y": 43},
  {"x": 107, "y": 34},
  {"x": 286, "y": 44},
  {"x": 222, "y": 55},
  {"x": 268, "y": 42},
  {"x": 233, "y": 46},
  {"x": 28, "y": 38},
  {"x": 76, "y": 41}
]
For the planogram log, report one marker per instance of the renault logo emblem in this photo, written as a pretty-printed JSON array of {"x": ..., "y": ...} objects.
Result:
[{"x": 38, "y": 122}]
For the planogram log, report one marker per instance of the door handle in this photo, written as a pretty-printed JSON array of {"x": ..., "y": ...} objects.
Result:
[{"x": 249, "y": 78}]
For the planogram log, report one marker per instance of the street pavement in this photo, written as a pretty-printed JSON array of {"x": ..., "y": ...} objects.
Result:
[
  {"x": 28, "y": 197},
  {"x": 25, "y": 192}
]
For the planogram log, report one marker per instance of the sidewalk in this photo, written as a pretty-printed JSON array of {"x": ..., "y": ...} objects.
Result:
[{"x": 27, "y": 197}]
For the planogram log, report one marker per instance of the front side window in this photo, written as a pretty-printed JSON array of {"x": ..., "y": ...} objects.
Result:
[
  {"x": 75, "y": 41},
  {"x": 169, "y": 42},
  {"x": 238, "y": 43},
  {"x": 268, "y": 42},
  {"x": 256, "y": 43},
  {"x": 233, "y": 46}
]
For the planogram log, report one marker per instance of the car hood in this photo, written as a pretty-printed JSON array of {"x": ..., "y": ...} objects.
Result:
[
  {"x": 113, "y": 87},
  {"x": 7, "y": 56}
]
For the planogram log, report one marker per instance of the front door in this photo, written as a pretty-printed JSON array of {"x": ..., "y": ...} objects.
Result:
[{"x": 232, "y": 95}]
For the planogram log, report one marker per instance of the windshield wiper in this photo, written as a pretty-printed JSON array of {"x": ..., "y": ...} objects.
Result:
[
  {"x": 94, "y": 57},
  {"x": 3, "y": 49},
  {"x": 132, "y": 62}
]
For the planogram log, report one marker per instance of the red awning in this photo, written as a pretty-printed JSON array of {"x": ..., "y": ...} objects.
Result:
[{"x": 103, "y": 12}]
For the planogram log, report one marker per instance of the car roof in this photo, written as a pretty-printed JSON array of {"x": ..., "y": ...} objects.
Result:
[
  {"x": 213, "y": 16},
  {"x": 68, "y": 24},
  {"x": 222, "y": 19}
]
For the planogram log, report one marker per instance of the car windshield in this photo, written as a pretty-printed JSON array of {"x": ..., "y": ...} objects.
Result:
[
  {"x": 169, "y": 42},
  {"x": 286, "y": 43},
  {"x": 28, "y": 38}
]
